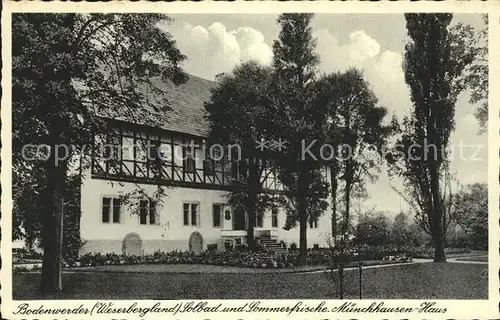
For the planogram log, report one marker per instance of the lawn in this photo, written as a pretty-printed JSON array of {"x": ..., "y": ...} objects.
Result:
[
  {"x": 467, "y": 254},
  {"x": 414, "y": 281},
  {"x": 480, "y": 259}
]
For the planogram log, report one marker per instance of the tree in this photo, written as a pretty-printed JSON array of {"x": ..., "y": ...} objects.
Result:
[
  {"x": 69, "y": 72},
  {"x": 239, "y": 114},
  {"x": 475, "y": 75},
  {"x": 373, "y": 229},
  {"x": 433, "y": 65},
  {"x": 400, "y": 232},
  {"x": 294, "y": 65},
  {"x": 356, "y": 125},
  {"x": 472, "y": 212}
]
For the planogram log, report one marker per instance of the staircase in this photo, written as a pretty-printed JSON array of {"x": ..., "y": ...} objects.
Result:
[{"x": 272, "y": 244}]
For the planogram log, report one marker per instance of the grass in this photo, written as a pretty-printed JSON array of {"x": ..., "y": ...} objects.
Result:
[
  {"x": 479, "y": 258},
  {"x": 201, "y": 268},
  {"x": 413, "y": 281},
  {"x": 468, "y": 254}
]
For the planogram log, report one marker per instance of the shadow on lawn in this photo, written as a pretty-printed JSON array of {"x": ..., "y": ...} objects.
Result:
[{"x": 415, "y": 281}]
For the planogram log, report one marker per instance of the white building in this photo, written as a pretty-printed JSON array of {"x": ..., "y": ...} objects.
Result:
[{"x": 194, "y": 214}]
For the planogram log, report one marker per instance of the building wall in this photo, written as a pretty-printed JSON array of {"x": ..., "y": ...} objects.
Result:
[{"x": 170, "y": 233}]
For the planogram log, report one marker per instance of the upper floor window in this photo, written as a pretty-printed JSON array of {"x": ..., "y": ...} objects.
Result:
[
  {"x": 147, "y": 212},
  {"x": 110, "y": 210},
  {"x": 208, "y": 167},
  {"x": 189, "y": 164}
]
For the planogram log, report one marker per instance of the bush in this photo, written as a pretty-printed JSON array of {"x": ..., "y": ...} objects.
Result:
[{"x": 242, "y": 257}]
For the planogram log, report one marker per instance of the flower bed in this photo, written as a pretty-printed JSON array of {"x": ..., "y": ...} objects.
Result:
[{"x": 259, "y": 259}]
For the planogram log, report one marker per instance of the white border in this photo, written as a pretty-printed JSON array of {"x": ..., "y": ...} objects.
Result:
[{"x": 462, "y": 309}]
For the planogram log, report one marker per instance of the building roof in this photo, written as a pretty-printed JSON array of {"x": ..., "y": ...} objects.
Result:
[
  {"x": 187, "y": 113},
  {"x": 186, "y": 101}
]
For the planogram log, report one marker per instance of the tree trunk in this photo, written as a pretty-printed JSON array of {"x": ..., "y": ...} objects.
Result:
[
  {"x": 253, "y": 190},
  {"x": 334, "y": 182},
  {"x": 52, "y": 226},
  {"x": 345, "y": 227},
  {"x": 250, "y": 227},
  {"x": 437, "y": 230},
  {"x": 303, "y": 216},
  {"x": 303, "y": 237}
]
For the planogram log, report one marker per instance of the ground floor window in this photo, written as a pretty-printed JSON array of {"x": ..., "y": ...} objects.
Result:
[
  {"x": 217, "y": 215},
  {"x": 274, "y": 218},
  {"x": 191, "y": 214},
  {"x": 313, "y": 222},
  {"x": 259, "y": 220},
  {"x": 110, "y": 210},
  {"x": 147, "y": 212}
]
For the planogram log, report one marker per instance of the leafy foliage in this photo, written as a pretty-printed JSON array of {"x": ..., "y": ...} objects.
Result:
[
  {"x": 470, "y": 42},
  {"x": 433, "y": 66},
  {"x": 298, "y": 121},
  {"x": 69, "y": 71},
  {"x": 355, "y": 125},
  {"x": 239, "y": 113},
  {"x": 471, "y": 205}
]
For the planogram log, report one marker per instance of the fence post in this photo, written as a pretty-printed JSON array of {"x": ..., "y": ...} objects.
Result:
[{"x": 360, "y": 280}]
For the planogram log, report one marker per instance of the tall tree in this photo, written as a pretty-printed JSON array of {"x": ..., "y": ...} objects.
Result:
[
  {"x": 239, "y": 114},
  {"x": 69, "y": 71},
  {"x": 356, "y": 124},
  {"x": 433, "y": 65},
  {"x": 295, "y": 65}
]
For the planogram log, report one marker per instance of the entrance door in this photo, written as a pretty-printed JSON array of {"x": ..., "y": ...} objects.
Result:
[
  {"x": 239, "y": 220},
  {"x": 195, "y": 242}
]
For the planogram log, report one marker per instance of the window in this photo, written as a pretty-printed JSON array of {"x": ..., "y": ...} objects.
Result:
[
  {"x": 217, "y": 215},
  {"x": 152, "y": 212},
  {"x": 110, "y": 210},
  {"x": 274, "y": 218},
  {"x": 128, "y": 148},
  {"x": 313, "y": 222},
  {"x": 154, "y": 159},
  {"x": 259, "y": 220},
  {"x": 234, "y": 170},
  {"x": 186, "y": 214},
  {"x": 190, "y": 214},
  {"x": 153, "y": 151},
  {"x": 208, "y": 167},
  {"x": 147, "y": 212},
  {"x": 189, "y": 164}
]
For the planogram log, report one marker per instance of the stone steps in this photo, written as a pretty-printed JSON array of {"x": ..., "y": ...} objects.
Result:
[{"x": 273, "y": 245}]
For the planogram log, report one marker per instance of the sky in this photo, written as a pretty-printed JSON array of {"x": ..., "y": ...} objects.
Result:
[{"x": 374, "y": 43}]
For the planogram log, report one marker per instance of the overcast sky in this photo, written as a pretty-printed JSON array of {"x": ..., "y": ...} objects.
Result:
[{"x": 372, "y": 42}]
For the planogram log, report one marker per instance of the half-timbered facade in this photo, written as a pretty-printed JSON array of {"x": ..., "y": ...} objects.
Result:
[{"x": 194, "y": 214}]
